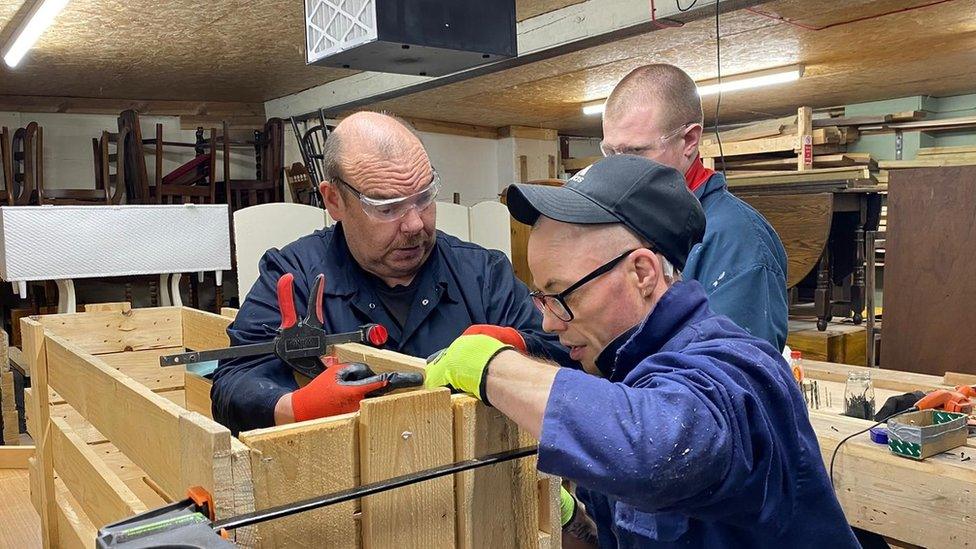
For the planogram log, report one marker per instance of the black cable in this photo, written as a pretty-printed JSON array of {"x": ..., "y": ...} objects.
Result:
[
  {"x": 718, "y": 70},
  {"x": 861, "y": 432},
  {"x": 678, "y": 3}
]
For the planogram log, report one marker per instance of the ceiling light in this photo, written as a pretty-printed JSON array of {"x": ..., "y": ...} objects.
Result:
[
  {"x": 736, "y": 82},
  {"x": 30, "y": 30},
  {"x": 749, "y": 80},
  {"x": 594, "y": 107}
]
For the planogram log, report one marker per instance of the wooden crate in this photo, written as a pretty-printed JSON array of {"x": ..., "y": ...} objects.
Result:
[
  {"x": 840, "y": 343},
  {"x": 114, "y": 438}
]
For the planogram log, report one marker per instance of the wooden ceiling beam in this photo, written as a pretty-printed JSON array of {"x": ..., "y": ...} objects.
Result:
[{"x": 90, "y": 105}]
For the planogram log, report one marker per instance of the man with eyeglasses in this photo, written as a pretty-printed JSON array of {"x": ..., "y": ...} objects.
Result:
[
  {"x": 384, "y": 262},
  {"x": 683, "y": 430},
  {"x": 655, "y": 112}
]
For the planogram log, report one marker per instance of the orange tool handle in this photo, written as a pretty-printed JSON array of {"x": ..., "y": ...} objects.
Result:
[{"x": 950, "y": 401}]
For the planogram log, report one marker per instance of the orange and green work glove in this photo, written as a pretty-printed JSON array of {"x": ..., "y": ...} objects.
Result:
[
  {"x": 508, "y": 336},
  {"x": 464, "y": 365},
  {"x": 340, "y": 387}
]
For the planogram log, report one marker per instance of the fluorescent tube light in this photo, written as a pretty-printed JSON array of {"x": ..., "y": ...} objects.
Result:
[
  {"x": 736, "y": 82},
  {"x": 751, "y": 80},
  {"x": 594, "y": 107},
  {"x": 37, "y": 21}
]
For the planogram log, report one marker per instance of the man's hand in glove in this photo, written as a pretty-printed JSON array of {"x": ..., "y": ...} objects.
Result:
[
  {"x": 464, "y": 365},
  {"x": 338, "y": 390},
  {"x": 508, "y": 336}
]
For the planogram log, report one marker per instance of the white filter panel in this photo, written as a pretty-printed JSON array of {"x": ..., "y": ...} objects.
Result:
[
  {"x": 332, "y": 26},
  {"x": 61, "y": 242}
]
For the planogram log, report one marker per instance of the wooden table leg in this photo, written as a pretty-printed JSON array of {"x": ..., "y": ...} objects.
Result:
[{"x": 822, "y": 295}]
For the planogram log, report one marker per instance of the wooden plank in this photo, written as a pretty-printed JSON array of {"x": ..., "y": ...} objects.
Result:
[
  {"x": 143, "y": 366},
  {"x": 303, "y": 460},
  {"x": 809, "y": 176},
  {"x": 229, "y": 312},
  {"x": 203, "y": 331},
  {"x": 102, "y": 494},
  {"x": 401, "y": 434},
  {"x": 550, "y": 519},
  {"x": 892, "y": 380},
  {"x": 765, "y": 145},
  {"x": 35, "y": 351},
  {"x": 21, "y": 527},
  {"x": 380, "y": 360},
  {"x": 115, "y": 331},
  {"x": 962, "y": 150},
  {"x": 244, "y": 500},
  {"x": 838, "y": 160},
  {"x": 15, "y": 457},
  {"x": 928, "y": 162},
  {"x": 526, "y": 132},
  {"x": 88, "y": 105},
  {"x": 452, "y": 128},
  {"x": 926, "y": 503},
  {"x": 765, "y": 128},
  {"x": 75, "y": 531},
  {"x": 496, "y": 506},
  {"x": 851, "y": 120},
  {"x": 184, "y": 449},
  {"x": 955, "y": 378},
  {"x": 804, "y": 134},
  {"x": 130, "y": 473},
  {"x": 117, "y": 306},
  {"x": 197, "y": 394},
  {"x": 841, "y": 343}
]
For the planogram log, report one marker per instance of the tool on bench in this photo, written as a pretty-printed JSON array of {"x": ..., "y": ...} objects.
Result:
[
  {"x": 190, "y": 523},
  {"x": 944, "y": 399},
  {"x": 301, "y": 344}
]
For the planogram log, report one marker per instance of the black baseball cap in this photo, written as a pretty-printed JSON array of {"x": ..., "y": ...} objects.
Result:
[{"x": 651, "y": 199}]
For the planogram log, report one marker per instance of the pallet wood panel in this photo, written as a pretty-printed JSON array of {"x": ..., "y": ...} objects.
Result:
[
  {"x": 494, "y": 504},
  {"x": 928, "y": 271},
  {"x": 802, "y": 222},
  {"x": 15, "y": 457},
  {"x": 401, "y": 434},
  {"x": 379, "y": 360},
  {"x": 203, "y": 331},
  {"x": 116, "y": 331},
  {"x": 35, "y": 352},
  {"x": 302, "y": 461},
  {"x": 102, "y": 494},
  {"x": 178, "y": 436},
  {"x": 21, "y": 527},
  {"x": 143, "y": 366},
  {"x": 197, "y": 394}
]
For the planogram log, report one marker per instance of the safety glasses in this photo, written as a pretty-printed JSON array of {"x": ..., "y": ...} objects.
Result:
[
  {"x": 639, "y": 151},
  {"x": 392, "y": 209},
  {"x": 556, "y": 303}
]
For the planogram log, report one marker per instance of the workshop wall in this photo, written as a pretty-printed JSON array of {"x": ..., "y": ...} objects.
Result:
[{"x": 68, "y": 161}]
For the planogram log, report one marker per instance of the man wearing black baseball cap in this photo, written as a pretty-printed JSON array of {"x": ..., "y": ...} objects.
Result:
[{"x": 684, "y": 430}]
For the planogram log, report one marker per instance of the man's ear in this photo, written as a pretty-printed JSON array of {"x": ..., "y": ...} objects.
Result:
[
  {"x": 648, "y": 269},
  {"x": 333, "y": 200},
  {"x": 691, "y": 140}
]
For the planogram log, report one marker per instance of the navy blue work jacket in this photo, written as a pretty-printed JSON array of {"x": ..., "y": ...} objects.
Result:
[
  {"x": 460, "y": 284},
  {"x": 741, "y": 263},
  {"x": 697, "y": 437}
]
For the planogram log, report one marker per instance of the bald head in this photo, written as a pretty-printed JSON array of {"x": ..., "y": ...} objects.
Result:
[
  {"x": 666, "y": 87},
  {"x": 371, "y": 138}
]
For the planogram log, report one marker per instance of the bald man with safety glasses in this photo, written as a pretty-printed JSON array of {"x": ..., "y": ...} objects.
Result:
[{"x": 384, "y": 262}]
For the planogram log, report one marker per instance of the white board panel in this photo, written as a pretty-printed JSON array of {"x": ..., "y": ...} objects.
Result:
[{"x": 63, "y": 242}]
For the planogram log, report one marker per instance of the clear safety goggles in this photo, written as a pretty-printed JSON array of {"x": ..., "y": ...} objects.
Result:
[{"x": 392, "y": 209}]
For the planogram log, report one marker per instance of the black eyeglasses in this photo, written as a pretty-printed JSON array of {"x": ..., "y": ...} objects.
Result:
[{"x": 556, "y": 303}]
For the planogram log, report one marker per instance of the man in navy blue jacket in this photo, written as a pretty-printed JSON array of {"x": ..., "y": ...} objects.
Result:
[
  {"x": 384, "y": 263},
  {"x": 684, "y": 430},
  {"x": 655, "y": 112}
]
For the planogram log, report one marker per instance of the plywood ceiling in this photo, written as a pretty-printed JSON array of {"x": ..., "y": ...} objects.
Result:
[
  {"x": 931, "y": 50},
  {"x": 199, "y": 50}
]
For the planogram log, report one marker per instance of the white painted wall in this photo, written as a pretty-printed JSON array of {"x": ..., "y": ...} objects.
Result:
[
  {"x": 467, "y": 165},
  {"x": 68, "y": 161}
]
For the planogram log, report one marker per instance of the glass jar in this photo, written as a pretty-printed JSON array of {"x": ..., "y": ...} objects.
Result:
[{"x": 859, "y": 395}]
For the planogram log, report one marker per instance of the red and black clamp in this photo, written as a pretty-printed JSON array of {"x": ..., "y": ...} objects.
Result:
[{"x": 300, "y": 343}]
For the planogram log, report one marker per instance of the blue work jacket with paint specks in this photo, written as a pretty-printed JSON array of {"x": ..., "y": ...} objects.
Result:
[
  {"x": 459, "y": 285},
  {"x": 698, "y": 436},
  {"x": 741, "y": 264}
]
